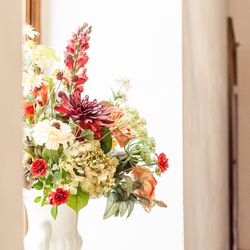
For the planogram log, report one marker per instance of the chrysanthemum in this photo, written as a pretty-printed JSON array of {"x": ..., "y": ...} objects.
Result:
[{"x": 52, "y": 134}]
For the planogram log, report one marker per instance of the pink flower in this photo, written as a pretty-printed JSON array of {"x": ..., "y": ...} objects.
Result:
[{"x": 82, "y": 60}]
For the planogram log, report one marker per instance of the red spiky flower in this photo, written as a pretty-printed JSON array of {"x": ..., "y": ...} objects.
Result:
[
  {"x": 87, "y": 114},
  {"x": 76, "y": 58}
]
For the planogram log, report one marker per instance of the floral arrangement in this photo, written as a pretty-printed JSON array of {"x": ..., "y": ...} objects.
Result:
[{"x": 76, "y": 148}]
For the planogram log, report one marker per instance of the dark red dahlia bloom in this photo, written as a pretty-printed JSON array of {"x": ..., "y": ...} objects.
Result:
[
  {"x": 39, "y": 168},
  {"x": 87, "y": 114},
  {"x": 162, "y": 162},
  {"x": 60, "y": 196}
]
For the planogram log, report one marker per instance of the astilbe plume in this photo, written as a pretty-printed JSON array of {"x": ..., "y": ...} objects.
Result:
[{"x": 87, "y": 114}]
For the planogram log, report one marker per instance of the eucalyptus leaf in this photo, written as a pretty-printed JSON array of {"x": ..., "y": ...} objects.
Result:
[
  {"x": 123, "y": 206},
  {"x": 130, "y": 208},
  {"x": 129, "y": 183},
  {"x": 112, "y": 211},
  {"x": 110, "y": 202}
]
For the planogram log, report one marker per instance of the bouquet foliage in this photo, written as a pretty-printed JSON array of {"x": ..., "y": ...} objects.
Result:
[{"x": 77, "y": 148}]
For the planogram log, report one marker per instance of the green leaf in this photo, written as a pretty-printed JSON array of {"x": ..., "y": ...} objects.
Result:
[
  {"x": 112, "y": 211},
  {"x": 57, "y": 175},
  {"x": 131, "y": 205},
  {"x": 123, "y": 206},
  {"x": 60, "y": 150},
  {"x": 55, "y": 155},
  {"x": 129, "y": 184},
  {"x": 38, "y": 199},
  {"x": 66, "y": 182},
  {"x": 44, "y": 202},
  {"x": 49, "y": 155},
  {"x": 51, "y": 84},
  {"x": 30, "y": 98},
  {"x": 54, "y": 211},
  {"x": 38, "y": 185},
  {"x": 106, "y": 142},
  {"x": 88, "y": 134},
  {"x": 112, "y": 207},
  {"x": 48, "y": 180},
  {"x": 78, "y": 201},
  {"x": 46, "y": 154}
]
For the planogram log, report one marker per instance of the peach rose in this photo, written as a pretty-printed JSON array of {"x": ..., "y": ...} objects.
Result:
[
  {"x": 122, "y": 132},
  {"x": 146, "y": 180}
]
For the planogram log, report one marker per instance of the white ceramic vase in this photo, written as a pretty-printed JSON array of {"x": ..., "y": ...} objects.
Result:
[{"x": 45, "y": 233}]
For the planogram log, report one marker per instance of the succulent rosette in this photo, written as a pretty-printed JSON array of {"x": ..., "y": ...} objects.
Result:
[{"x": 77, "y": 148}]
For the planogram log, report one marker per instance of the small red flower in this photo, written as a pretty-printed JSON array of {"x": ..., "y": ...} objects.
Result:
[
  {"x": 69, "y": 61},
  {"x": 29, "y": 108},
  {"x": 41, "y": 94},
  {"x": 162, "y": 162},
  {"x": 60, "y": 196},
  {"x": 82, "y": 60},
  {"x": 39, "y": 167}
]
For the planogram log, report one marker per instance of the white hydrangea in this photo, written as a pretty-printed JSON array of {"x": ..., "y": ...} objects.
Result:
[{"x": 52, "y": 133}]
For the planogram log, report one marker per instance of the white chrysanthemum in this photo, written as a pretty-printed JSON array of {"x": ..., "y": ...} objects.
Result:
[
  {"x": 52, "y": 133},
  {"x": 31, "y": 81},
  {"x": 30, "y": 31}
]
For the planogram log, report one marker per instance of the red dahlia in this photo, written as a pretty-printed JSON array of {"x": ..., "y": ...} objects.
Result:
[
  {"x": 162, "y": 162},
  {"x": 39, "y": 167},
  {"x": 58, "y": 197},
  {"x": 87, "y": 114}
]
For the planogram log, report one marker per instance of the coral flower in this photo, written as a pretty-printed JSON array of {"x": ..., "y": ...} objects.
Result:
[
  {"x": 146, "y": 181},
  {"x": 120, "y": 131}
]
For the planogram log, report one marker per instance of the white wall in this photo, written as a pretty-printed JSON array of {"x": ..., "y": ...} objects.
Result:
[
  {"x": 140, "y": 40},
  {"x": 205, "y": 125},
  {"x": 10, "y": 126},
  {"x": 240, "y": 12}
]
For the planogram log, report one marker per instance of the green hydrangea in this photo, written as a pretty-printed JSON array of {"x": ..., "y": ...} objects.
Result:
[{"x": 87, "y": 164}]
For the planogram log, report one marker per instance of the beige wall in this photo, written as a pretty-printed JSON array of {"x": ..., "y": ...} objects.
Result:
[
  {"x": 10, "y": 126},
  {"x": 240, "y": 11},
  {"x": 205, "y": 125}
]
